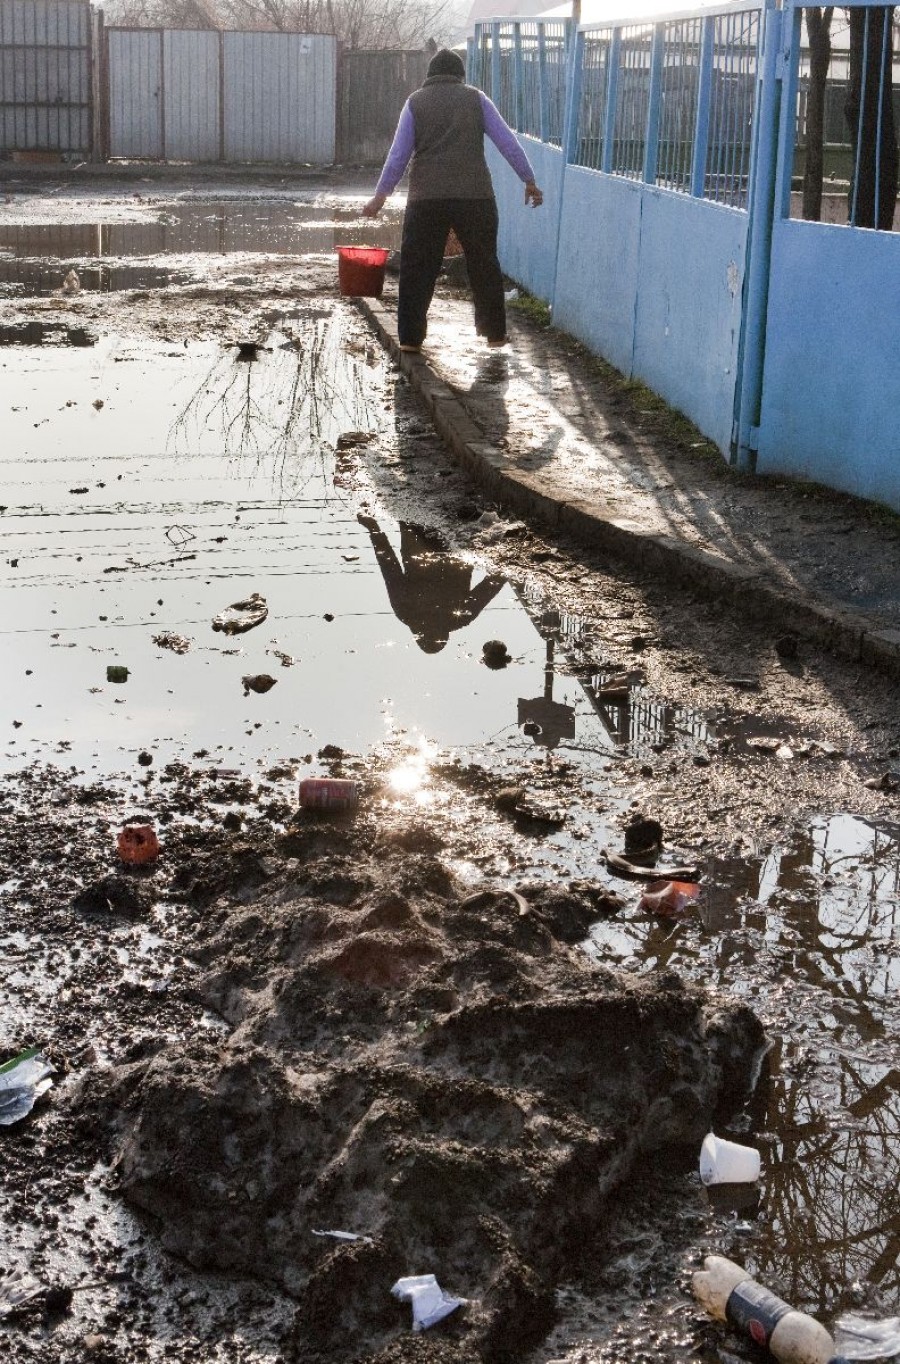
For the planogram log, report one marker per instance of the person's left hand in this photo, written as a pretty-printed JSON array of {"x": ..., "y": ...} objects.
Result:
[
  {"x": 533, "y": 195},
  {"x": 374, "y": 206}
]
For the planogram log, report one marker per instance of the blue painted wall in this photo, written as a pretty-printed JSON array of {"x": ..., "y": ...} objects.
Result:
[
  {"x": 688, "y": 314},
  {"x": 528, "y": 235},
  {"x": 831, "y": 391},
  {"x": 651, "y": 279},
  {"x": 599, "y": 263}
]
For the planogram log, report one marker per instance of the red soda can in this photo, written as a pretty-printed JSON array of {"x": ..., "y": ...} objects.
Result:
[{"x": 328, "y": 793}]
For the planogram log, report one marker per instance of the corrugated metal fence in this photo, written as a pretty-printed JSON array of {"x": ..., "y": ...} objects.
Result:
[
  {"x": 197, "y": 95},
  {"x": 45, "y": 76},
  {"x": 375, "y": 86},
  {"x": 69, "y": 85}
]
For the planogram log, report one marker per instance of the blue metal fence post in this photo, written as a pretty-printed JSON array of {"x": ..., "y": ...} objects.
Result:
[
  {"x": 704, "y": 103},
  {"x": 543, "y": 85},
  {"x": 495, "y": 67},
  {"x": 613, "y": 57},
  {"x": 471, "y": 48},
  {"x": 518, "y": 80},
  {"x": 761, "y": 210},
  {"x": 787, "y": 133},
  {"x": 654, "y": 104}
]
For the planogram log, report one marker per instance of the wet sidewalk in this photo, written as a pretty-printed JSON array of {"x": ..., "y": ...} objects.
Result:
[{"x": 558, "y": 435}]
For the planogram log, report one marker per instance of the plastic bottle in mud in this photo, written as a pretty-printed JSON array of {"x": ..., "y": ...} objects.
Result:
[{"x": 728, "y": 1293}]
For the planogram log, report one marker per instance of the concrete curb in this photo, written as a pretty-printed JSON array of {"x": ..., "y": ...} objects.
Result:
[{"x": 844, "y": 633}]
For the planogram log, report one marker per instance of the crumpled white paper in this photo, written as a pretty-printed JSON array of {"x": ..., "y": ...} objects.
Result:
[{"x": 430, "y": 1303}]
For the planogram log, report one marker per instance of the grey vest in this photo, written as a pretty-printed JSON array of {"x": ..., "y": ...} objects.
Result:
[{"x": 448, "y": 161}]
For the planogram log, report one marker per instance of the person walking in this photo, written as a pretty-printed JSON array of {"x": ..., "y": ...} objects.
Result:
[{"x": 441, "y": 130}]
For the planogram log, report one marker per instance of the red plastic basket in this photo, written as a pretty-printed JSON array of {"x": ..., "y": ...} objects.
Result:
[{"x": 361, "y": 270}]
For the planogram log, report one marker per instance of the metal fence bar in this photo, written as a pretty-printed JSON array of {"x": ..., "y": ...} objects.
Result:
[
  {"x": 886, "y": 20},
  {"x": 576, "y": 73},
  {"x": 612, "y": 95},
  {"x": 759, "y": 241},
  {"x": 704, "y": 101},
  {"x": 654, "y": 105},
  {"x": 495, "y": 64},
  {"x": 859, "y": 125},
  {"x": 518, "y": 80},
  {"x": 543, "y": 87}
]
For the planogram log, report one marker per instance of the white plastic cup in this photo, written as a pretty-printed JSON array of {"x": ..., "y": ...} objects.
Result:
[{"x": 725, "y": 1162}]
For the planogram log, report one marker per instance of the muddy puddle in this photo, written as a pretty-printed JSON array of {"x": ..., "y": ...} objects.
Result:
[
  {"x": 111, "y": 256},
  {"x": 148, "y": 485},
  {"x": 156, "y": 486}
]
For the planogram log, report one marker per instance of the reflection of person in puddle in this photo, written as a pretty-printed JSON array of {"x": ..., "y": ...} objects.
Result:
[{"x": 430, "y": 592}]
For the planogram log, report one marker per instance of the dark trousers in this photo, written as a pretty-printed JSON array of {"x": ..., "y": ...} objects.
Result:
[{"x": 426, "y": 224}]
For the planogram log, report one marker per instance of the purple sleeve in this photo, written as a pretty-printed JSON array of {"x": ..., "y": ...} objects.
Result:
[
  {"x": 402, "y": 149},
  {"x": 504, "y": 139}
]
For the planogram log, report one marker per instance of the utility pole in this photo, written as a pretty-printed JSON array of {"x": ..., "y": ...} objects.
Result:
[{"x": 576, "y": 11}]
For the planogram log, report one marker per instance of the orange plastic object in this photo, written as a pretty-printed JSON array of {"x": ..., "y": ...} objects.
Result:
[
  {"x": 669, "y": 898},
  {"x": 138, "y": 844},
  {"x": 361, "y": 270}
]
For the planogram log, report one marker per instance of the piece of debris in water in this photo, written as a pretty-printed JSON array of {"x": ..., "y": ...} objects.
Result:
[
  {"x": 496, "y": 654},
  {"x": 622, "y": 867},
  {"x": 258, "y": 682},
  {"x": 351, "y": 438},
  {"x": 116, "y": 673},
  {"x": 286, "y": 660},
  {"x": 430, "y": 1304},
  {"x": 168, "y": 639},
  {"x": 72, "y": 283},
  {"x": 22, "y": 1082},
  {"x": 345, "y": 1236},
  {"x": 669, "y": 898},
  {"x": 242, "y": 615},
  {"x": 179, "y": 535},
  {"x": 137, "y": 844},
  {"x": 643, "y": 837}
]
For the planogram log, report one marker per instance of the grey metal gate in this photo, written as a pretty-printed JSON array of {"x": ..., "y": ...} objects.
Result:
[
  {"x": 203, "y": 95},
  {"x": 279, "y": 97},
  {"x": 45, "y": 76},
  {"x": 374, "y": 88}
]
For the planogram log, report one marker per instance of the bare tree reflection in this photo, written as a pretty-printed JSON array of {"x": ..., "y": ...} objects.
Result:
[
  {"x": 833, "y": 1194},
  {"x": 283, "y": 411}
]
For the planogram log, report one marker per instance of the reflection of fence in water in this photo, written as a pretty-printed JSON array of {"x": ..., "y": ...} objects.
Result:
[{"x": 640, "y": 721}]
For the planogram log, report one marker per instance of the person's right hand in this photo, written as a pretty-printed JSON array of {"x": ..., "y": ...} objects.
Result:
[
  {"x": 374, "y": 206},
  {"x": 533, "y": 195}
]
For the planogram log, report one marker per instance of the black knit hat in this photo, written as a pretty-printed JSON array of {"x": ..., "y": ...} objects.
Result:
[{"x": 447, "y": 63}]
